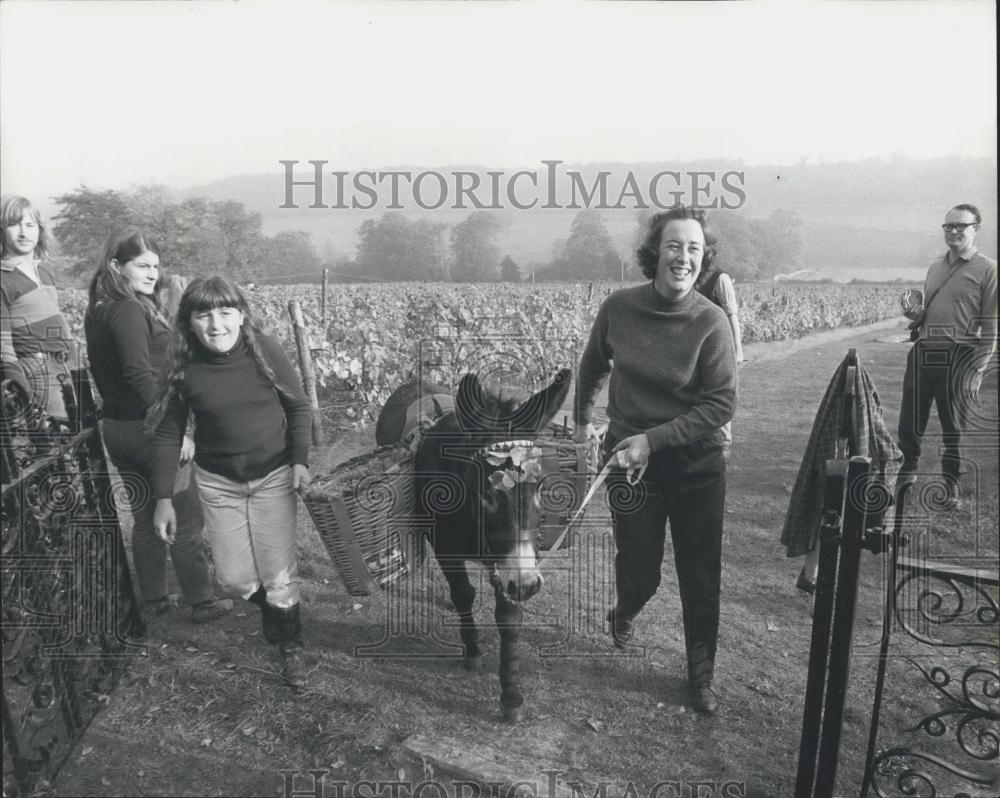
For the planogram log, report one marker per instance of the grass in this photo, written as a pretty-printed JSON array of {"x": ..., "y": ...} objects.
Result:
[{"x": 205, "y": 714}]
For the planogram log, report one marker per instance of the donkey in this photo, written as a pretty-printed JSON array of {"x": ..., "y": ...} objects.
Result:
[{"x": 485, "y": 449}]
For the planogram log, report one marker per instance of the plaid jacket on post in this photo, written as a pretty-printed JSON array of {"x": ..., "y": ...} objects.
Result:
[{"x": 801, "y": 530}]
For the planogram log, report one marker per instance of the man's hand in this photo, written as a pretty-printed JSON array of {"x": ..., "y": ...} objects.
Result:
[
  {"x": 300, "y": 477},
  {"x": 912, "y": 303},
  {"x": 187, "y": 450},
  {"x": 165, "y": 521}
]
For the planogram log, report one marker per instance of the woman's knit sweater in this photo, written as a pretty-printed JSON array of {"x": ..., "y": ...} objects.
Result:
[{"x": 674, "y": 375}]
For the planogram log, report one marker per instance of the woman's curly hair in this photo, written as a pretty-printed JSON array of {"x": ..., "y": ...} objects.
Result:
[{"x": 648, "y": 255}]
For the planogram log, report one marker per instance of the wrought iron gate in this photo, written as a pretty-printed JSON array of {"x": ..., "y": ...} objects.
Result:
[
  {"x": 70, "y": 622},
  {"x": 939, "y": 637}
]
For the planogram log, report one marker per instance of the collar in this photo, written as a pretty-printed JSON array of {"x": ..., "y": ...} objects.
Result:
[
  {"x": 663, "y": 303},
  {"x": 19, "y": 262},
  {"x": 225, "y": 357},
  {"x": 963, "y": 258}
]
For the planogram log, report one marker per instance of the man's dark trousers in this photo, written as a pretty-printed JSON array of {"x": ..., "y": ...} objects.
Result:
[{"x": 935, "y": 372}]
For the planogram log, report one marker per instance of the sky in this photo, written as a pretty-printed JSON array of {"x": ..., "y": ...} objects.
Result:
[{"x": 114, "y": 94}]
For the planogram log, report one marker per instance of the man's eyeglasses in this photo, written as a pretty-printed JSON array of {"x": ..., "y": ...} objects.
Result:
[{"x": 958, "y": 227}]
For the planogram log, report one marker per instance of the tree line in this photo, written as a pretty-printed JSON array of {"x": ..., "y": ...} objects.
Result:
[{"x": 199, "y": 235}]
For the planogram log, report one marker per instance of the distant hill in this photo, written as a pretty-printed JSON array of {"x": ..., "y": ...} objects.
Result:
[{"x": 874, "y": 215}]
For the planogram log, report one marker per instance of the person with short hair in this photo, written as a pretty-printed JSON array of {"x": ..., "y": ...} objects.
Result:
[
  {"x": 252, "y": 433},
  {"x": 37, "y": 349},
  {"x": 954, "y": 325},
  {"x": 672, "y": 388},
  {"x": 127, "y": 331}
]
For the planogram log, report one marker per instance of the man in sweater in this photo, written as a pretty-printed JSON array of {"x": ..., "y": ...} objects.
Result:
[
  {"x": 956, "y": 336},
  {"x": 673, "y": 386}
]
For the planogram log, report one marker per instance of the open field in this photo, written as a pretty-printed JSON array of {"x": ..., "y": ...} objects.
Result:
[{"x": 204, "y": 714}]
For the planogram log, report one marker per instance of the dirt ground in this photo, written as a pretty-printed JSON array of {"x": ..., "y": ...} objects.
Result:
[{"x": 203, "y": 713}]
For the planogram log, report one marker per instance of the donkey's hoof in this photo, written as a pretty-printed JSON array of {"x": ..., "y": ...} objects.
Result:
[
  {"x": 474, "y": 664},
  {"x": 511, "y": 714}
]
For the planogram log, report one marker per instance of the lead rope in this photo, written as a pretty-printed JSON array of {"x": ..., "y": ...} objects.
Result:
[{"x": 633, "y": 475}]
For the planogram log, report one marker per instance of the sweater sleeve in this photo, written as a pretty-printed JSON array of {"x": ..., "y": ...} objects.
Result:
[
  {"x": 130, "y": 330},
  {"x": 297, "y": 410},
  {"x": 10, "y": 368},
  {"x": 725, "y": 295},
  {"x": 988, "y": 319},
  {"x": 717, "y": 399},
  {"x": 166, "y": 448},
  {"x": 595, "y": 365}
]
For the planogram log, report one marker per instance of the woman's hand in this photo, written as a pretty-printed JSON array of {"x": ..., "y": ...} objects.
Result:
[
  {"x": 633, "y": 452},
  {"x": 300, "y": 477},
  {"x": 187, "y": 450},
  {"x": 584, "y": 433},
  {"x": 165, "y": 521}
]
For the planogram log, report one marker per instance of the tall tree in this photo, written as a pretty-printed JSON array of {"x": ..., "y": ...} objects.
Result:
[
  {"x": 85, "y": 220},
  {"x": 393, "y": 248},
  {"x": 510, "y": 272},
  {"x": 242, "y": 238},
  {"x": 474, "y": 251},
  {"x": 588, "y": 253},
  {"x": 290, "y": 253}
]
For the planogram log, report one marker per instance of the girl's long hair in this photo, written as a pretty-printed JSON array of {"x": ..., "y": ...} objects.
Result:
[
  {"x": 110, "y": 285},
  {"x": 14, "y": 208},
  {"x": 206, "y": 293}
]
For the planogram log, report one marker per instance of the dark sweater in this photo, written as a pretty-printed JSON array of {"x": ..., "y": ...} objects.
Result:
[
  {"x": 244, "y": 429},
  {"x": 674, "y": 374},
  {"x": 127, "y": 352}
]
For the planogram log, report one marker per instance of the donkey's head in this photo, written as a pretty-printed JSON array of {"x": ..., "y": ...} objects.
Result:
[{"x": 509, "y": 465}]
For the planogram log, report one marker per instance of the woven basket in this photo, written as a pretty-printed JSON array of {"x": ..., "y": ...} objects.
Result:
[{"x": 363, "y": 511}]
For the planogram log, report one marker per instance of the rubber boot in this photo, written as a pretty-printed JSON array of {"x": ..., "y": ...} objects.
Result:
[
  {"x": 268, "y": 616},
  {"x": 290, "y": 645}
]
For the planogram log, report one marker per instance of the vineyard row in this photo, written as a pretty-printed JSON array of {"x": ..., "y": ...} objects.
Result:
[{"x": 378, "y": 336}]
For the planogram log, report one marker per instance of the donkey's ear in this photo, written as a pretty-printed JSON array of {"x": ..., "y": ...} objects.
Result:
[
  {"x": 536, "y": 412},
  {"x": 470, "y": 404}
]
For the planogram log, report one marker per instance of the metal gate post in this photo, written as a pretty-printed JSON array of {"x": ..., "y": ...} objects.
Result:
[
  {"x": 855, "y": 521},
  {"x": 819, "y": 649}
]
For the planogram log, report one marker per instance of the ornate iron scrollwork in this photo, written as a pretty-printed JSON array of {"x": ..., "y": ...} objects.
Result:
[
  {"x": 69, "y": 619},
  {"x": 949, "y": 611}
]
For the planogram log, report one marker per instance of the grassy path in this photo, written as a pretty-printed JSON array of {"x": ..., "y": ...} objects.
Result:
[{"x": 201, "y": 716}]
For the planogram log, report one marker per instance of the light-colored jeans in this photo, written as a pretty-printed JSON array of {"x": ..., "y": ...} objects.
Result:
[{"x": 251, "y": 529}]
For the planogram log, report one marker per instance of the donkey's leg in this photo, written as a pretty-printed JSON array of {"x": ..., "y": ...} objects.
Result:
[
  {"x": 463, "y": 596},
  {"x": 508, "y": 616}
]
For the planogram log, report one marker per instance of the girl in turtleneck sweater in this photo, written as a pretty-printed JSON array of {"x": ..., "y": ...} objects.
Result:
[
  {"x": 252, "y": 427},
  {"x": 36, "y": 347}
]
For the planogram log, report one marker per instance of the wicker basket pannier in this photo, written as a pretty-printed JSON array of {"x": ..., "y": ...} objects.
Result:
[{"x": 363, "y": 511}]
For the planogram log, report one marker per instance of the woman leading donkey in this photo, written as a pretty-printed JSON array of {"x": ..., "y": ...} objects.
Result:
[{"x": 673, "y": 386}]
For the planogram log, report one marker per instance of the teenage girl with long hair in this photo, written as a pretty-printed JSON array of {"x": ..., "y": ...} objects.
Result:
[
  {"x": 252, "y": 432},
  {"x": 127, "y": 332}
]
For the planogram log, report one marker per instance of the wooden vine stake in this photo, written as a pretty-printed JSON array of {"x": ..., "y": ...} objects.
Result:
[
  {"x": 322, "y": 302},
  {"x": 306, "y": 367}
]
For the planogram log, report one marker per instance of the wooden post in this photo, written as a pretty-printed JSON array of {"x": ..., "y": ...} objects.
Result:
[
  {"x": 306, "y": 367},
  {"x": 322, "y": 303}
]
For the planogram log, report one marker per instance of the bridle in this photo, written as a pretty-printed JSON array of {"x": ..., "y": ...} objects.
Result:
[{"x": 510, "y": 463}]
